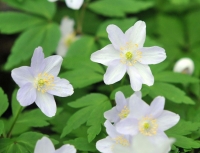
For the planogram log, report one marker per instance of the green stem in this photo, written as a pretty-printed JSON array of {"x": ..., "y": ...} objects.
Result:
[{"x": 15, "y": 120}]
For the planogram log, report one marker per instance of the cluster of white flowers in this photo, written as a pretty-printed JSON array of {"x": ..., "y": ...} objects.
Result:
[{"x": 134, "y": 126}]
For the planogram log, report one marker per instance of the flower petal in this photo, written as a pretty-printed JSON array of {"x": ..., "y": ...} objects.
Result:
[
  {"x": 157, "y": 106},
  {"x": 135, "y": 78},
  {"x": 74, "y": 4},
  {"x": 145, "y": 73},
  {"x": 61, "y": 48},
  {"x": 120, "y": 100},
  {"x": 46, "y": 103},
  {"x": 66, "y": 149},
  {"x": 22, "y": 75},
  {"x": 105, "y": 145},
  {"x": 114, "y": 72},
  {"x": 105, "y": 55},
  {"x": 152, "y": 55},
  {"x": 167, "y": 120},
  {"x": 53, "y": 64},
  {"x": 62, "y": 88},
  {"x": 110, "y": 129},
  {"x": 67, "y": 26},
  {"x": 37, "y": 60},
  {"x": 44, "y": 145},
  {"x": 116, "y": 36},
  {"x": 112, "y": 115},
  {"x": 26, "y": 94},
  {"x": 137, "y": 33}
]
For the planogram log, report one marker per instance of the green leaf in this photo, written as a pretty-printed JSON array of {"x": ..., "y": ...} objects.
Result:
[
  {"x": 1, "y": 127},
  {"x": 46, "y": 36},
  {"x": 13, "y": 22},
  {"x": 3, "y": 102},
  {"x": 38, "y": 7}
]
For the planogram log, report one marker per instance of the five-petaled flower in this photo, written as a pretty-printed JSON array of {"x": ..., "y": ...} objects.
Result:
[
  {"x": 39, "y": 82},
  {"x": 126, "y": 53}
]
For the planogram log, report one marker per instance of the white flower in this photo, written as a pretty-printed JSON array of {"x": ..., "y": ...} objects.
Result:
[
  {"x": 73, "y": 4},
  {"x": 45, "y": 145},
  {"x": 184, "y": 65},
  {"x": 39, "y": 82},
  {"x": 68, "y": 36},
  {"x": 126, "y": 53}
]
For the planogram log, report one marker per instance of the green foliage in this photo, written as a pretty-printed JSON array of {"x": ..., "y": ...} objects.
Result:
[{"x": 3, "y": 102}]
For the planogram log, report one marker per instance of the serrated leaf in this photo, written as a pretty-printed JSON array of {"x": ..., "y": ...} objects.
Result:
[{"x": 3, "y": 102}]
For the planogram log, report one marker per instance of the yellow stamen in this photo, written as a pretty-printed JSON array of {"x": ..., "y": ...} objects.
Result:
[
  {"x": 129, "y": 55},
  {"x": 121, "y": 140},
  {"x": 124, "y": 113}
]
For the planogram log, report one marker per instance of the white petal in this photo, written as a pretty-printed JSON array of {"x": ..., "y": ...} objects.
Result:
[
  {"x": 114, "y": 72},
  {"x": 112, "y": 115},
  {"x": 157, "y": 106},
  {"x": 62, "y": 48},
  {"x": 74, "y": 4},
  {"x": 138, "y": 93},
  {"x": 46, "y": 103},
  {"x": 44, "y": 145},
  {"x": 105, "y": 55},
  {"x": 152, "y": 55},
  {"x": 120, "y": 100},
  {"x": 116, "y": 36},
  {"x": 110, "y": 129},
  {"x": 137, "y": 33},
  {"x": 26, "y": 94},
  {"x": 62, "y": 88},
  {"x": 22, "y": 75},
  {"x": 66, "y": 26},
  {"x": 105, "y": 145},
  {"x": 145, "y": 73},
  {"x": 66, "y": 149},
  {"x": 53, "y": 64},
  {"x": 135, "y": 78},
  {"x": 167, "y": 120},
  {"x": 52, "y": 0},
  {"x": 117, "y": 148}
]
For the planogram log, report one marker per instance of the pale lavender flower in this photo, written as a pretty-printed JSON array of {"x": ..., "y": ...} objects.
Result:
[
  {"x": 150, "y": 121},
  {"x": 39, "y": 82},
  {"x": 73, "y": 4},
  {"x": 127, "y": 54},
  {"x": 45, "y": 145}
]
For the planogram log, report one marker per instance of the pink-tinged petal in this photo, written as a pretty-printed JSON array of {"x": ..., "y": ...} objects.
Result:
[
  {"x": 53, "y": 64},
  {"x": 112, "y": 115},
  {"x": 145, "y": 73},
  {"x": 46, "y": 103},
  {"x": 152, "y": 55},
  {"x": 37, "y": 59},
  {"x": 135, "y": 78},
  {"x": 157, "y": 106},
  {"x": 74, "y": 4},
  {"x": 138, "y": 108},
  {"x": 105, "y": 145},
  {"x": 120, "y": 101},
  {"x": 137, "y": 33},
  {"x": 110, "y": 129},
  {"x": 127, "y": 126},
  {"x": 44, "y": 145},
  {"x": 105, "y": 55},
  {"x": 62, "y": 88},
  {"x": 22, "y": 75},
  {"x": 26, "y": 94},
  {"x": 114, "y": 72},
  {"x": 116, "y": 36},
  {"x": 66, "y": 149},
  {"x": 167, "y": 120}
]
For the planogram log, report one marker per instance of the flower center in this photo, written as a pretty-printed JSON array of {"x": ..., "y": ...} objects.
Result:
[
  {"x": 130, "y": 54},
  {"x": 44, "y": 82},
  {"x": 124, "y": 113},
  {"x": 69, "y": 39},
  {"x": 121, "y": 140},
  {"x": 148, "y": 126}
]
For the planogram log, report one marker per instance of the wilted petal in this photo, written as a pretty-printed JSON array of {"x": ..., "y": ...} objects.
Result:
[
  {"x": 26, "y": 94},
  {"x": 116, "y": 36},
  {"x": 152, "y": 55},
  {"x": 137, "y": 33},
  {"x": 46, "y": 103},
  {"x": 74, "y": 4},
  {"x": 22, "y": 75},
  {"x": 120, "y": 100},
  {"x": 105, "y": 55},
  {"x": 145, "y": 73},
  {"x": 62, "y": 88},
  {"x": 114, "y": 72},
  {"x": 112, "y": 115},
  {"x": 105, "y": 145},
  {"x": 167, "y": 120},
  {"x": 53, "y": 64},
  {"x": 135, "y": 78},
  {"x": 44, "y": 145},
  {"x": 66, "y": 149}
]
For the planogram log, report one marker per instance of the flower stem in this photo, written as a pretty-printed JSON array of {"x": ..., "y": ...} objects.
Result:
[{"x": 15, "y": 120}]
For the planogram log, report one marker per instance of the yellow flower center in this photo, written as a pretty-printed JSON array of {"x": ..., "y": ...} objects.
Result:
[
  {"x": 121, "y": 140},
  {"x": 124, "y": 113},
  {"x": 44, "y": 82},
  {"x": 129, "y": 55},
  {"x": 69, "y": 39},
  {"x": 148, "y": 126}
]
